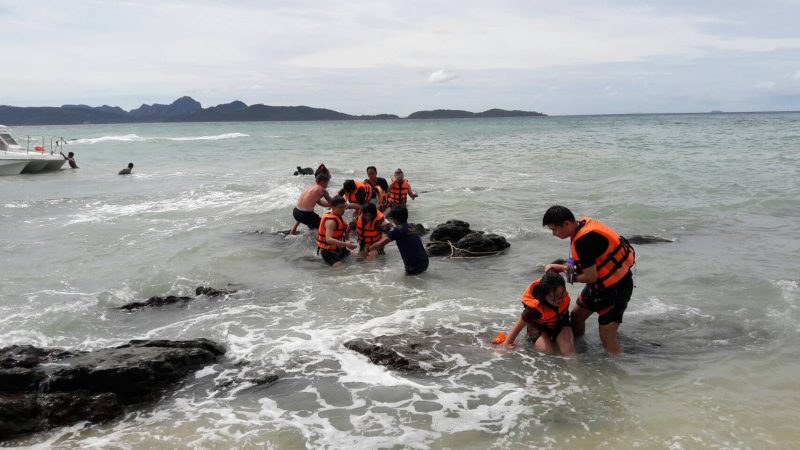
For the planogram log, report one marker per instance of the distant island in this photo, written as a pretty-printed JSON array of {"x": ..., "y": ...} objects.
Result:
[{"x": 186, "y": 109}]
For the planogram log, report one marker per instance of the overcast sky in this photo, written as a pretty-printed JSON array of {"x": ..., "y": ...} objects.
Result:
[{"x": 375, "y": 56}]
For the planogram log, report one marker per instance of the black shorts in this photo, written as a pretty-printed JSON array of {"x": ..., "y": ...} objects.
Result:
[
  {"x": 308, "y": 218},
  {"x": 609, "y": 304},
  {"x": 534, "y": 330},
  {"x": 333, "y": 256}
]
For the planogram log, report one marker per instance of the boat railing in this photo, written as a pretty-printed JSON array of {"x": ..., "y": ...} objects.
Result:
[{"x": 56, "y": 145}]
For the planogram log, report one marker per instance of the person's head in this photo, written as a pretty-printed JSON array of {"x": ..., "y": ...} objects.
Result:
[
  {"x": 551, "y": 288},
  {"x": 338, "y": 205},
  {"x": 372, "y": 173},
  {"x": 322, "y": 179},
  {"x": 370, "y": 211},
  {"x": 398, "y": 174},
  {"x": 560, "y": 221},
  {"x": 130, "y": 165},
  {"x": 349, "y": 186},
  {"x": 321, "y": 169},
  {"x": 70, "y": 154},
  {"x": 399, "y": 214}
]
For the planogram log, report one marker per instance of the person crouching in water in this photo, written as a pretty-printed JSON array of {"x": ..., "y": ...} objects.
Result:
[
  {"x": 369, "y": 227},
  {"x": 546, "y": 316},
  {"x": 332, "y": 243},
  {"x": 415, "y": 258}
]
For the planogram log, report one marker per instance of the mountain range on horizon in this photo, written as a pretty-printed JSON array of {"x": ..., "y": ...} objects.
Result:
[{"x": 187, "y": 109}]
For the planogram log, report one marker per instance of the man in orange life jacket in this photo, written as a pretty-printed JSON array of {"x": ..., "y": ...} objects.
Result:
[
  {"x": 332, "y": 240},
  {"x": 380, "y": 187},
  {"x": 399, "y": 190},
  {"x": 369, "y": 227},
  {"x": 603, "y": 260}
]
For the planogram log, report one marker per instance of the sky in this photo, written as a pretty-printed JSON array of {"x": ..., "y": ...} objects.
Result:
[{"x": 367, "y": 57}]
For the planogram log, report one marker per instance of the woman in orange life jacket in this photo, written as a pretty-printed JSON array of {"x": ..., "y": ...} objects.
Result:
[
  {"x": 399, "y": 190},
  {"x": 546, "y": 315},
  {"x": 332, "y": 243},
  {"x": 603, "y": 260},
  {"x": 357, "y": 194},
  {"x": 379, "y": 187},
  {"x": 369, "y": 227}
]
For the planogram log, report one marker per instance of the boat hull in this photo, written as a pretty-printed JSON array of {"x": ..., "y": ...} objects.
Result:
[
  {"x": 12, "y": 166},
  {"x": 35, "y": 165}
]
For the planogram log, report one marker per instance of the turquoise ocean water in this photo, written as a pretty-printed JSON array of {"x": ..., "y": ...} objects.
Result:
[{"x": 721, "y": 301}]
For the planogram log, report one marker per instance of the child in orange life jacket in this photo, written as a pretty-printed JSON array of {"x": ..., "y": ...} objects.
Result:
[
  {"x": 369, "y": 227},
  {"x": 399, "y": 191},
  {"x": 546, "y": 315}
]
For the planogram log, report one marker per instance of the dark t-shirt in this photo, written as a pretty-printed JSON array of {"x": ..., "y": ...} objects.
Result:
[
  {"x": 589, "y": 247},
  {"x": 381, "y": 182},
  {"x": 411, "y": 249}
]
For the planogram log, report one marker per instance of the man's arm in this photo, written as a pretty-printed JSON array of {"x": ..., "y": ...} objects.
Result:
[
  {"x": 380, "y": 244},
  {"x": 330, "y": 228}
]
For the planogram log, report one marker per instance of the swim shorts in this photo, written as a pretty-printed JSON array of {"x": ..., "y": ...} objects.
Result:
[
  {"x": 308, "y": 218},
  {"x": 333, "y": 256},
  {"x": 610, "y": 303},
  {"x": 534, "y": 330}
]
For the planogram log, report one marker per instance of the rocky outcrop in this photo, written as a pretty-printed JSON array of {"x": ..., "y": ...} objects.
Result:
[
  {"x": 423, "y": 351},
  {"x": 647, "y": 239},
  {"x": 45, "y": 388},
  {"x": 172, "y": 299},
  {"x": 454, "y": 238},
  {"x": 382, "y": 356}
]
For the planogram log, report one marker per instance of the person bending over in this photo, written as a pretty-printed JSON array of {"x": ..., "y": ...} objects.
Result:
[
  {"x": 126, "y": 171},
  {"x": 408, "y": 241},
  {"x": 602, "y": 259},
  {"x": 316, "y": 194},
  {"x": 546, "y": 315},
  {"x": 369, "y": 227}
]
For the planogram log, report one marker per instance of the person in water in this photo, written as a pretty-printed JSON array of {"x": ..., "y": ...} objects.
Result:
[
  {"x": 70, "y": 157},
  {"x": 415, "y": 258},
  {"x": 399, "y": 191},
  {"x": 126, "y": 171},
  {"x": 322, "y": 169},
  {"x": 332, "y": 243},
  {"x": 603, "y": 260},
  {"x": 379, "y": 187},
  {"x": 369, "y": 227},
  {"x": 546, "y": 315},
  {"x": 316, "y": 194}
]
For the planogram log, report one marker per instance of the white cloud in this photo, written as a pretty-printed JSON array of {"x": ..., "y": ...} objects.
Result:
[
  {"x": 765, "y": 85},
  {"x": 442, "y": 76}
]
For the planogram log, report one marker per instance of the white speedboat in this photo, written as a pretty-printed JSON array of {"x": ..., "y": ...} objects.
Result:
[{"x": 14, "y": 159}]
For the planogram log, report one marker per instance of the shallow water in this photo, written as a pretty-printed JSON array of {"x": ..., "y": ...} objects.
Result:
[{"x": 709, "y": 332}]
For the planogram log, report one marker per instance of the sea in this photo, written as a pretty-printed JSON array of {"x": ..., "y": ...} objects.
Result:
[{"x": 711, "y": 356}]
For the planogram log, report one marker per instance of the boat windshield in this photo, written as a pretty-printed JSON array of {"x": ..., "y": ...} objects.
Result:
[{"x": 7, "y": 140}]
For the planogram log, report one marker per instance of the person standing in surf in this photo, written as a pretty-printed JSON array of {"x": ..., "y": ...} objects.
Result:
[
  {"x": 415, "y": 258},
  {"x": 70, "y": 157},
  {"x": 317, "y": 194},
  {"x": 545, "y": 315},
  {"x": 602, "y": 259},
  {"x": 399, "y": 191},
  {"x": 379, "y": 187},
  {"x": 332, "y": 243}
]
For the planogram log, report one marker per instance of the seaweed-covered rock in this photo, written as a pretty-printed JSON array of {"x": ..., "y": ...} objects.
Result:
[
  {"x": 156, "y": 301},
  {"x": 43, "y": 388},
  {"x": 452, "y": 231},
  {"x": 381, "y": 356},
  {"x": 438, "y": 249},
  {"x": 480, "y": 243},
  {"x": 211, "y": 292}
]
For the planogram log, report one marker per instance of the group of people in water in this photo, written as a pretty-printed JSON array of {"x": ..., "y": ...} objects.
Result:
[
  {"x": 372, "y": 202},
  {"x": 70, "y": 157},
  {"x": 600, "y": 258}
]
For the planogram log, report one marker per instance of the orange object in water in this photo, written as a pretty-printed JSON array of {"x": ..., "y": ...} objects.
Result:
[
  {"x": 39, "y": 148},
  {"x": 500, "y": 338}
]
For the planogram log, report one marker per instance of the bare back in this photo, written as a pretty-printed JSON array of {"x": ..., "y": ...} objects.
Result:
[{"x": 311, "y": 196}]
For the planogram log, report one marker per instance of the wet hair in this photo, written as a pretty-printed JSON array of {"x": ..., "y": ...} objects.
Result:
[
  {"x": 322, "y": 169},
  {"x": 399, "y": 214},
  {"x": 130, "y": 165},
  {"x": 349, "y": 186},
  {"x": 398, "y": 171},
  {"x": 70, "y": 154},
  {"x": 373, "y": 168},
  {"x": 322, "y": 177},
  {"x": 370, "y": 209},
  {"x": 557, "y": 215},
  {"x": 549, "y": 282},
  {"x": 337, "y": 200}
]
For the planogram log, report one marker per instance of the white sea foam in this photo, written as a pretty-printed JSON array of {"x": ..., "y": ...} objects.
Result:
[
  {"x": 122, "y": 138},
  {"x": 216, "y": 137}
]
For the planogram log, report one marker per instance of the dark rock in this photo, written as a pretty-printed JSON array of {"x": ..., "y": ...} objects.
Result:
[
  {"x": 155, "y": 301},
  {"x": 94, "y": 386},
  {"x": 421, "y": 230},
  {"x": 211, "y": 292},
  {"x": 382, "y": 356},
  {"x": 647, "y": 239},
  {"x": 480, "y": 243},
  {"x": 304, "y": 171},
  {"x": 452, "y": 231},
  {"x": 438, "y": 249}
]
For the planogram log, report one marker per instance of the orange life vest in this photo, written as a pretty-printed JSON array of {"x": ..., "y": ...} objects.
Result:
[
  {"x": 368, "y": 232},
  {"x": 549, "y": 315},
  {"x": 617, "y": 260},
  {"x": 338, "y": 233},
  {"x": 360, "y": 185},
  {"x": 378, "y": 191},
  {"x": 398, "y": 192}
]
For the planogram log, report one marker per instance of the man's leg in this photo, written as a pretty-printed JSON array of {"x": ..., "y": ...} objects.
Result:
[
  {"x": 565, "y": 342},
  {"x": 578, "y": 320},
  {"x": 609, "y": 337}
]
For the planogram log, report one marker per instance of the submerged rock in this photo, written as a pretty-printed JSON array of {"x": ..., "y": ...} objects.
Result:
[
  {"x": 172, "y": 299},
  {"x": 438, "y": 249},
  {"x": 381, "y": 356},
  {"x": 647, "y": 239},
  {"x": 479, "y": 243},
  {"x": 452, "y": 231},
  {"x": 304, "y": 171},
  {"x": 44, "y": 388},
  {"x": 211, "y": 292},
  {"x": 423, "y": 351},
  {"x": 454, "y": 238}
]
